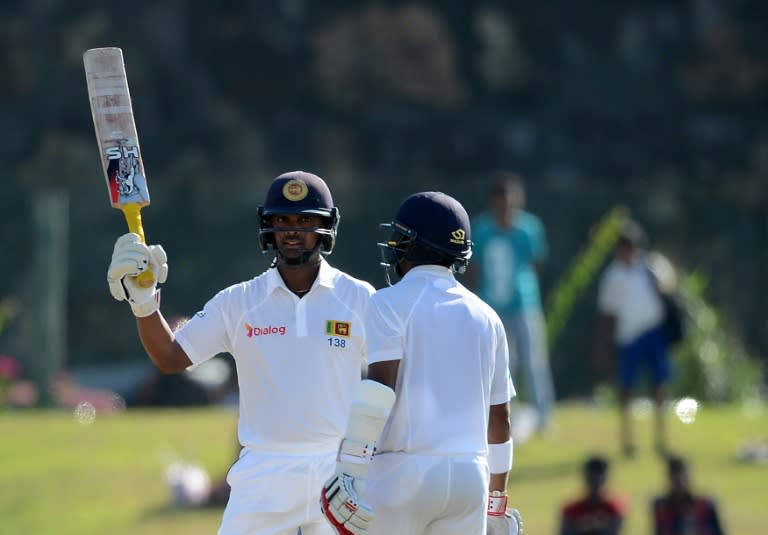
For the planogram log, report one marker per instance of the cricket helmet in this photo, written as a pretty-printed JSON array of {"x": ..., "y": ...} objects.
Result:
[
  {"x": 299, "y": 192},
  {"x": 429, "y": 228}
]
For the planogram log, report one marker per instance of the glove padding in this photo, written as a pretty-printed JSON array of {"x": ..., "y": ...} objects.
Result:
[
  {"x": 130, "y": 258},
  {"x": 342, "y": 507},
  {"x": 510, "y": 523}
]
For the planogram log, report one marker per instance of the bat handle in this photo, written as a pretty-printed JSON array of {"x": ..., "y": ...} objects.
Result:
[{"x": 132, "y": 213}]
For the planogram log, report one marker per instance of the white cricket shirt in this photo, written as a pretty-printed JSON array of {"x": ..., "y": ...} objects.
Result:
[
  {"x": 298, "y": 360},
  {"x": 453, "y": 363},
  {"x": 628, "y": 293}
]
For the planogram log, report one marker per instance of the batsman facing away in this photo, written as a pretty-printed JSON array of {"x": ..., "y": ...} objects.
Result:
[{"x": 434, "y": 407}]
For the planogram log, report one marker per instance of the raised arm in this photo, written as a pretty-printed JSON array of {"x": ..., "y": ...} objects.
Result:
[
  {"x": 161, "y": 345},
  {"x": 130, "y": 258}
]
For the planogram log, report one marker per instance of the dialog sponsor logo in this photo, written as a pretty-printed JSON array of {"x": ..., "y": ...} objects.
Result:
[{"x": 266, "y": 330}]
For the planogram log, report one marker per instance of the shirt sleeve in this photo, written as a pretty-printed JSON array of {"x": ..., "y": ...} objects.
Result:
[
  {"x": 502, "y": 388},
  {"x": 384, "y": 331},
  {"x": 205, "y": 335}
]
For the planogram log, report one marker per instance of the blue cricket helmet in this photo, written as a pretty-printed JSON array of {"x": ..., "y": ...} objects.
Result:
[
  {"x": 299, "y": 192},
  {"x": 429, "y": 227}
]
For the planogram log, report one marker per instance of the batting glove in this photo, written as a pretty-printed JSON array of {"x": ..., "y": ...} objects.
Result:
[
  {"x": 502, "y": 520},
  {"x": 341, "y": 506},
  {"x": 130, "y": 258}
]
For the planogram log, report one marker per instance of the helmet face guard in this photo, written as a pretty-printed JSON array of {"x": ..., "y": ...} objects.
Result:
[
  {"x": 406, "y": 244},
  {"x": 298, "y": 193},
  {"x": 395, "y": 249},
  {"x": 324, "y": 245}
]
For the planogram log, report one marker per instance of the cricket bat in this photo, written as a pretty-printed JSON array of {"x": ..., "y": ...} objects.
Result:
[{"x": 117, "y": 139}]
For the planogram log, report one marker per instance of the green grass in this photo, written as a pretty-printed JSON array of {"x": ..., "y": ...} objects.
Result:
[
  {"x": 61, "y": 477},
  {"x": 547, "y": 470}
]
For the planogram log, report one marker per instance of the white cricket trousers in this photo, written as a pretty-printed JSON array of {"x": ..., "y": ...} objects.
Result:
[
  {"x": 277, "y": 494},
  {"x": 427, "y": 495}
]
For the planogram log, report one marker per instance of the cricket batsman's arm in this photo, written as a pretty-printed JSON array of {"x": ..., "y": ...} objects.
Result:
[
  {"x": 160, "y": 344},
  {"x": 130, "y": 258},
  {"x": 500, "y": 448},
  {"x": 502, "y": 520}
]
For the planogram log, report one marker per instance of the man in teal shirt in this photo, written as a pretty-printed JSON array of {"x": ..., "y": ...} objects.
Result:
[{"x": 510, "y": 247}]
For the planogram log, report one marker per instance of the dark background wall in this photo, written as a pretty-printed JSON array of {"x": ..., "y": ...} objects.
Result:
[{"x": 656, "y": 105}]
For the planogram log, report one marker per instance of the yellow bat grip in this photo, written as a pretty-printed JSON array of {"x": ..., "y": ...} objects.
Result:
[{"x": 132, "y": 213}]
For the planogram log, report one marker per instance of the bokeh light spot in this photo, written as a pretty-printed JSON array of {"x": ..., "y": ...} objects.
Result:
[
  {"x": 85, "y": 413},
  {"x": 686, "y": 410}
]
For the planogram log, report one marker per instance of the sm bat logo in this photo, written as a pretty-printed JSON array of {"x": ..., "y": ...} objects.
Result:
[
  {"x": 122, "y": 151},
  {"x": 126, "y": 179}
]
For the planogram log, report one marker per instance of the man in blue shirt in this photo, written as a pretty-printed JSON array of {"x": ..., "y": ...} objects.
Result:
[{"x": 510, "y": 247}]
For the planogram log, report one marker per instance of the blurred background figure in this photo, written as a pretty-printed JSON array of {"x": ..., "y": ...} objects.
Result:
[
  {"x": 213, "y": 383},
  {"x": 191, "y": 486},
  {"x": 630, "y": 320},
  {"x": 67, "y": 393},
  {"x": 163, "y": 390},
  {"x": 596, "y": 512},
  {"x": 15, "y": 390},
  {"x": 510, "y": 247},
  {"x": 189, "y": 483},
  {"x": 680, "y": 511}
]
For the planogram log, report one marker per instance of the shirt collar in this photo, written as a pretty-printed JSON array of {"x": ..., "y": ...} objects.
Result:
[
  {"x": 430, "y": 270},
  {"x": 325, "y": 277}
]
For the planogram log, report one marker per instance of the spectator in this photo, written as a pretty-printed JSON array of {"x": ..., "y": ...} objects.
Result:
[
  {"x": 680, "y": 512},
  {"x": 631, "y": 317},
  {"x": 596, "y": 513},
  {"x": 510, "y": 248}
]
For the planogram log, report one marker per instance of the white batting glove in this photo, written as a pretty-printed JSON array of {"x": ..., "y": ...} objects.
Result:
[
  {"x": 130, "y": 258},
  {"x": 342, "y": 507},
  {"x": 511, "y": 523},
  {"x": 502, "y": 520}
]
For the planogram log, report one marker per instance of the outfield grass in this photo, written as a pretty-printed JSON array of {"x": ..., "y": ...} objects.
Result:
[{"x": 58, "y": 476}]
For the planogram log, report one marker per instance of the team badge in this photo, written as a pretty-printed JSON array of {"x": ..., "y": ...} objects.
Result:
[
  {"x": 338, "y": 328},
  {"x": 295, "y": 190},
  {"x": 458, "y": 236}
]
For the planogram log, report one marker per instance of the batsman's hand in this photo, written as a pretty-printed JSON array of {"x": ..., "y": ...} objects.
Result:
[
  {"x": 130, "y": 258},
  {"x": 511, "y": 523},
  {"x": 342, "y": 507},
  {"x": 501, "y": 519}
]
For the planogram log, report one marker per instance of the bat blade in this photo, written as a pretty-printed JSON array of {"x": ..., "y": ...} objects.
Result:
[{"x": 117, "y": 138}]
